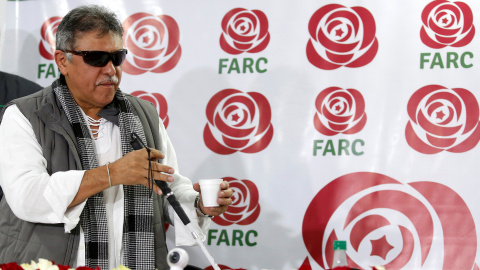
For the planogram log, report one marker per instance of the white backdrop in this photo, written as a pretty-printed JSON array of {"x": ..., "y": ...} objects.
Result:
[{"x": 344, "y": 119}]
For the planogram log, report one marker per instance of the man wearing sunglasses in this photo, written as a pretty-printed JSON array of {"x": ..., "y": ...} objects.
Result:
[{"x": 75, "y": 191}]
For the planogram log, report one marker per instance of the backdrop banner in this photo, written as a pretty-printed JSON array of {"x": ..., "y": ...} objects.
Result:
[{"x": 331, "y": 120}]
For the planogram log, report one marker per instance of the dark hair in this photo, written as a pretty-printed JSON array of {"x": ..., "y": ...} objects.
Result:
[{"x": 86, "y": 19}]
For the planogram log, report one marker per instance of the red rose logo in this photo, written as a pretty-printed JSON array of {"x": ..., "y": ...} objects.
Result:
[
  {"x": 158, "y": 101},
  {"x": 339, "y": 111},
  {"x": 47, "y": 33},
  {"x": 152, "y": 42},
  {"x": 244, "y": 31},
  {"x": 238, "y": 121},
  {"x": 421, "y": 225},
  {"x": 341, "y": 36},
  {"x": 442, "y": 119},
  {"x": 447, "y": 24},
  {"x": 244, "y": 209}
]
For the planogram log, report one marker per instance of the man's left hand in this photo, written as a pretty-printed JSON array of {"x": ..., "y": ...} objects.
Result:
[{"x": 224, "y": 200}]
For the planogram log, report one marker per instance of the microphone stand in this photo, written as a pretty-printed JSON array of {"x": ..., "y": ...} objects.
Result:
[{"x": 137, "y": 144}]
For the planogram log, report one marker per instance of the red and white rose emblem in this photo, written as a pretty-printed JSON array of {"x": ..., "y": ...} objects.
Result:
[
  {"x": 244, "y": 31},
  {"x": 339, "y": 111},
  {"x": 245, "y": 208},
  {"x": 447, "y": 23},
  {"x": 341, "y": 36},
  {"x": 419, "y": 225},
  {"x": 158, "y": 100},
  {"x": 153, "y": 43},
  {"x": 238, "y": 121},
  {"x": 47, "y": 34},
  {"x": 442, "y": 119}
]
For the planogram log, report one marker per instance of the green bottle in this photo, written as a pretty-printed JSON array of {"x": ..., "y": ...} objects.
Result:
[{"x": 339, "y": 253}]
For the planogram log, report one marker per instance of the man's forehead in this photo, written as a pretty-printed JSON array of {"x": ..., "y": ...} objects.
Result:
[
  {"x": 96, "y": 34},
  {"x": 92, "y": 36}
]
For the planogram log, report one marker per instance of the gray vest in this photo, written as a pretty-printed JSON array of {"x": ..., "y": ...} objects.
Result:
[{"x": 22, "y": 241}]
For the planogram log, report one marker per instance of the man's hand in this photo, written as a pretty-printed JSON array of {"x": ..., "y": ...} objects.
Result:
[
  {"x": 131, "y": 169},
  {"x": 224, "y": 200}
]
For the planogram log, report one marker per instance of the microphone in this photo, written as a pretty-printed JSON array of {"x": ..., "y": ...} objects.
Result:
[{"x": 137, "y": 144}]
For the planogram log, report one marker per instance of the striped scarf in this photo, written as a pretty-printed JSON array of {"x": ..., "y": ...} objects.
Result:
[{"x": 138, "y": 238}]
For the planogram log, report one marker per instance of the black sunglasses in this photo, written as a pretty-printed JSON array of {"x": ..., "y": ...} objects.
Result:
[{"x": 101, "y": 58}]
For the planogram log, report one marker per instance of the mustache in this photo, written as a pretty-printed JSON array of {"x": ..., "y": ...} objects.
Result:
[{"x": 113, "y": 79}]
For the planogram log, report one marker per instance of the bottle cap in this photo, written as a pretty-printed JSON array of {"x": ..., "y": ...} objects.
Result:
[{"x": 340, "y": 245}]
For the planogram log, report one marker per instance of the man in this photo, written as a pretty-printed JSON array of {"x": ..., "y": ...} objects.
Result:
[
  {"x": 13, "y": 86},
  {"x": 75, "y": 192}
]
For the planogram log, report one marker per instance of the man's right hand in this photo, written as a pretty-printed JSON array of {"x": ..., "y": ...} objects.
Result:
[{"x": 131, "y": 169}]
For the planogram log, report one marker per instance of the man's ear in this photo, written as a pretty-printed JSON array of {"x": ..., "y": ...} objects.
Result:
[{"x": 62, "y": 61}]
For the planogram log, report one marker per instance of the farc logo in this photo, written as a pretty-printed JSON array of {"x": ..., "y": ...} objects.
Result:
[
  {"x": 387, "y": 222},
  {"x": 47, "y": 34},
  {"x": 244, "y": 31},
  {"x": 447, "y": 23},
  {"x": 339, "y": 111},
  {"x": 158, "y": 100},
  {"x": 442, "y": 119},
  {"x": 341, "y": 36},
  {"x": 238, "y": 121},
  {"x": 153, "y": 43}
]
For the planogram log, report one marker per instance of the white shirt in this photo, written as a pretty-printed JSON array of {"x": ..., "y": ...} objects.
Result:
[{"x": 35, "y": 196}]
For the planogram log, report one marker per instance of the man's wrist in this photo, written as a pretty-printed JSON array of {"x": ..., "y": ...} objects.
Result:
[{"x": 197, "y": 208}]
